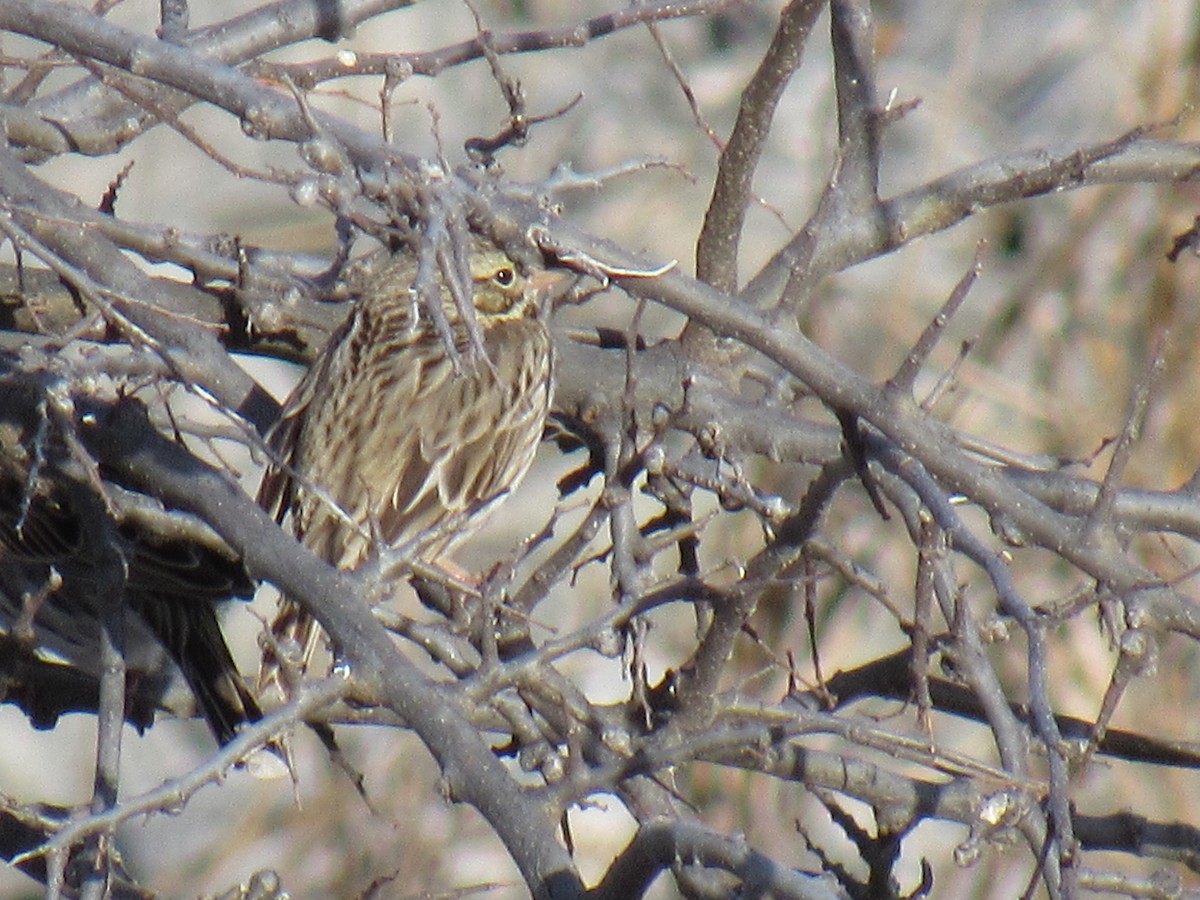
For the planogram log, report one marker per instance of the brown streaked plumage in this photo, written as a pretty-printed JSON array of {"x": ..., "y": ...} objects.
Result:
[{"x": 386, "y": 439}]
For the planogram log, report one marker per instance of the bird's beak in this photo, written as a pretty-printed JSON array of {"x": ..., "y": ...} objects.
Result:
[
  {"x": 549, "y": 279},
  {"x": 549, "y": 285}
]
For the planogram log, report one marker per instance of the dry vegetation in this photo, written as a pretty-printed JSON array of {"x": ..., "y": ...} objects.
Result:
[{"x": 858, "y": 559}]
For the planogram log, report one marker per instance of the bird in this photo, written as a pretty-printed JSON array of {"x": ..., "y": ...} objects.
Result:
[
  {"x": 392, "y": 439},
  {"x": 170, "y": 587}
]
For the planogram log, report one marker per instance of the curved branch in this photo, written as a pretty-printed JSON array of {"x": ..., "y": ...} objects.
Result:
[
  {"x": 717, "y": 246},
  {"x": 123, "y": 440},
  {"x": 946, "y": 201}
]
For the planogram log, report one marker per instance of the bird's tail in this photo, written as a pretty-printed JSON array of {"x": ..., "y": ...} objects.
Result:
[
  {"x": 192, "y": 635},
  {"x": 224, "y": 700},
  {"x": 290, "y": 648}
]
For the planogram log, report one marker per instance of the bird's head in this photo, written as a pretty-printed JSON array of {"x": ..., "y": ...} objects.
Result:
[{"x": 502, "y": 291}]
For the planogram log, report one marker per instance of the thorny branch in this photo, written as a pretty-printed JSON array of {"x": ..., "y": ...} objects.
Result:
[{"x": 687, "y": 439}]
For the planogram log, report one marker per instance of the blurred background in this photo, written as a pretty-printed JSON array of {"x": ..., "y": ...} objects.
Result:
[{"x": 1073, "y": 291}]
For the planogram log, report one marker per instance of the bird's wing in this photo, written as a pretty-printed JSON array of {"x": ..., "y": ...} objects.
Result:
[
  {"x": 476, "y": 437},
  {"x": 277, "y": 490}
]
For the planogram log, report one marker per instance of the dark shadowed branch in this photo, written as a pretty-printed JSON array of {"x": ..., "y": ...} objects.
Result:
[{"x": 729, "y": 489}]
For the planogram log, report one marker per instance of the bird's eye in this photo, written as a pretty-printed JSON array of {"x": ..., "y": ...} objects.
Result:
[{"x": 505, "y": 276}]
